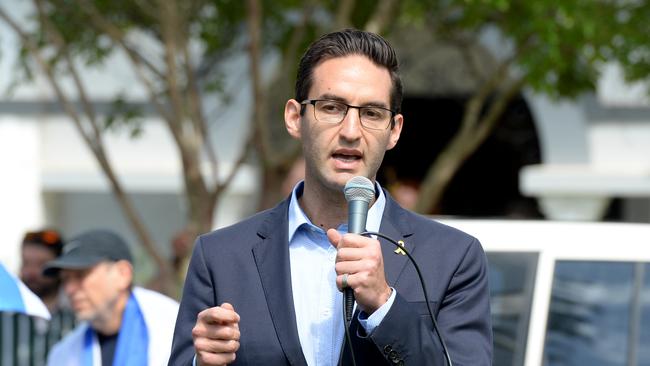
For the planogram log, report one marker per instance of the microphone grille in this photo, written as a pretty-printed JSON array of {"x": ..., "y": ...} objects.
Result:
[{"x": 359, "y": 188}]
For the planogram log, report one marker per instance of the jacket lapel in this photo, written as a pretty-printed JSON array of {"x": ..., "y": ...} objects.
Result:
[
  {"x": 394, "y": 225},
  {"x": 272, "y": 259}
]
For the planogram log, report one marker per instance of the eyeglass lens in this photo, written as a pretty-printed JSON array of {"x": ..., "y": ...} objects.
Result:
[{"x": 334, "y": 112}]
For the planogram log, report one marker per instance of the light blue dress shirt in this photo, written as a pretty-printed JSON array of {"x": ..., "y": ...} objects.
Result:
[{"x": 317, "y": 300}]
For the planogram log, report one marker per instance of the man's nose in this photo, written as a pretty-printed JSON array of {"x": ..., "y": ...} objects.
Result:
[
  {"x": 351, "y": 125},
  {"x": 70, "y": 285}
]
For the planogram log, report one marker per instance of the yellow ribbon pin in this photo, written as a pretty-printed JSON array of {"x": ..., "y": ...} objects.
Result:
[{"x": 399, "y": 250}]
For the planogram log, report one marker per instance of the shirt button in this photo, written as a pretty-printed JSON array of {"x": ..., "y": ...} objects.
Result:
[{"x": 387, "y": 349}]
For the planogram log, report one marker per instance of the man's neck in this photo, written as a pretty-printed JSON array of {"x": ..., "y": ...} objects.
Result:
[{"x": 325, "y": 208}]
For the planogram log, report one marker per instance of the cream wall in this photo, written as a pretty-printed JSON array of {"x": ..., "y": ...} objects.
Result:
[{"x": 21, "y": 206}]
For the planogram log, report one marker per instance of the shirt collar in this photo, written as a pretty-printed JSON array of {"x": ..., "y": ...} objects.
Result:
[{"x": 297, "y": 217}]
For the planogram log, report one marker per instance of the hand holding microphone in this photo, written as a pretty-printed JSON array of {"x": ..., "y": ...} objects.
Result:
[{"x": 360, "y": 257}]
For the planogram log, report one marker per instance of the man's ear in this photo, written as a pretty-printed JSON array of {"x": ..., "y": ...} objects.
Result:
[
  {"x": 396, "y": 131},
  {"x": 125, "y": 273},
  {"x": 292, "y": 118}
]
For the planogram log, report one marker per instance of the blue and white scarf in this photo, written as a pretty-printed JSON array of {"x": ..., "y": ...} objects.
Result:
[{"x": 132, "y": 340}]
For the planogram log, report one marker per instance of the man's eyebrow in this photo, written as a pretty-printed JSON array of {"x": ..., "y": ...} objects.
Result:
[
  {"x": 343, "y": 100},
  {"x": 332, "y": 97}
]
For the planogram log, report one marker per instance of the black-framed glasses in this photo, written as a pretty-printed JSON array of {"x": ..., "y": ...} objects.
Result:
[{"x": 334, "y": 112}]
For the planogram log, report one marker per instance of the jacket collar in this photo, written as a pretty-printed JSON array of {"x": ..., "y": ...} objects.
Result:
[{"x": 271, "y": 255}]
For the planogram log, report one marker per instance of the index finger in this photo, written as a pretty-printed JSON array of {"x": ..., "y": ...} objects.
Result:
[
  {"x": 355, "y": 241},
  {"x": 219, "y": 315}
]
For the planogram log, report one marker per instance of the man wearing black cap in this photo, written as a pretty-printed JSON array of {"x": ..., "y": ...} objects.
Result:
[{"x": 120, "y": 324}]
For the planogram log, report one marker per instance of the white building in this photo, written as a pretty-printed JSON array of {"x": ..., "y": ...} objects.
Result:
[{"x": 593, "y": 150}]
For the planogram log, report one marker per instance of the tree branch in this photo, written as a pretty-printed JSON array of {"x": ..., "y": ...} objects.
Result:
[
  {"x": 55, "y": 36},
  {"x": 343, "y": 14},
  {"x": 261, "y": 133},
  {"x": 95, "y": 145},
  {"x": 283, "y": 73},
  {"x": 498, "y": 106},
  {"x": 220, "y": 187},
  {"x": 98, "y": 21},
  {"x": 475, "y": 104},
  {"x": 139, "y": 62},
  {"x": 297, "y": 36},
  {"x": 169, "y": 26},
  {"x": 32, "y": 48},
  {"x": 381, "y": 18},
  {"x": 473, "y": 64},
  {"x": 196, "y": 109}
]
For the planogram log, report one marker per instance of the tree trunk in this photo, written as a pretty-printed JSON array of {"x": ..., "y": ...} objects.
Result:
[
  {"x": 441, "y": 173},
  {"x": 475, "y": 129},
  {"x": 275, "y": 186}
]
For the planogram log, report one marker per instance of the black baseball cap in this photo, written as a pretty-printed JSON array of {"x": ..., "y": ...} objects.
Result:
[{"x": 88, "y": 249}]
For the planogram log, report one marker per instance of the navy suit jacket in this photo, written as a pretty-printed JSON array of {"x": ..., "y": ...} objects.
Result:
[{"x": 247, "y": 265}]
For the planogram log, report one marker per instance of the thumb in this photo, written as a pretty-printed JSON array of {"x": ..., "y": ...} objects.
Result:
[
  {"x": 334, "y": 237},
  {"x": 227, "y": 306}
]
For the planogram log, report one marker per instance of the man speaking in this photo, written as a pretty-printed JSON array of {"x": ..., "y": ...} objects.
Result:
[{"x": 266, "y": 291}]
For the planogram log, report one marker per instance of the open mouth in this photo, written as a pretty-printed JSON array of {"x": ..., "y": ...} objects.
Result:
[{"x": 346, "y": 157}]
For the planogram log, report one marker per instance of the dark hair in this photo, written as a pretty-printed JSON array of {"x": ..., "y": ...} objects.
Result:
[
  {"x": 344, "y": 43},
  {"x": 48, "y": 238}
]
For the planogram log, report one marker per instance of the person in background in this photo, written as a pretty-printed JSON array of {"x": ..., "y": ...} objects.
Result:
[
  {"x": 38, "y": 248},
  {"x": 18, "y": 306},
  {"x": 35, "y": 336},
  {"x": 181, "y": 248},
  {"x": 120, "y": 324}
]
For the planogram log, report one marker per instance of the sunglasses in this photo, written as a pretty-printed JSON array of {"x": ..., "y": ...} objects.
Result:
[{"x": 47, "y": 237}]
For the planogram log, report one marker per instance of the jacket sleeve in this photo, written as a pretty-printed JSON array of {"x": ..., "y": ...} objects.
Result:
[
  {"x": 198, "y": 295},
  {"x": 406, "y": 337}
]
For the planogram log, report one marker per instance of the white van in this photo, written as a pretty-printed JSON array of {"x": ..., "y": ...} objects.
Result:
[{"x": 565, "y": 293}]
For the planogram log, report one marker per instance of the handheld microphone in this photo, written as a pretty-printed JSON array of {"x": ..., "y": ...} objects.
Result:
[{"x": 359, "y": 192}]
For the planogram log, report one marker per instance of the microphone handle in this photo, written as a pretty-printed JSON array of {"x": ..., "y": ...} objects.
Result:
[{"x": 357, "y": 216}]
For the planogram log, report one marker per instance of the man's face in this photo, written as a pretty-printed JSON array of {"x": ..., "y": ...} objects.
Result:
[
  {"x": 94, "y": 292},
  {"x": 336, "y": 153},
  {"x": 34, "y": 258}
]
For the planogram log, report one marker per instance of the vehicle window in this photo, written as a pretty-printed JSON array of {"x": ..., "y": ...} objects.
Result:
[
  {"x": 511, "y": 277},
  {"x": 598, "y": 314},
  {"x": 643, "y": 346}
]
